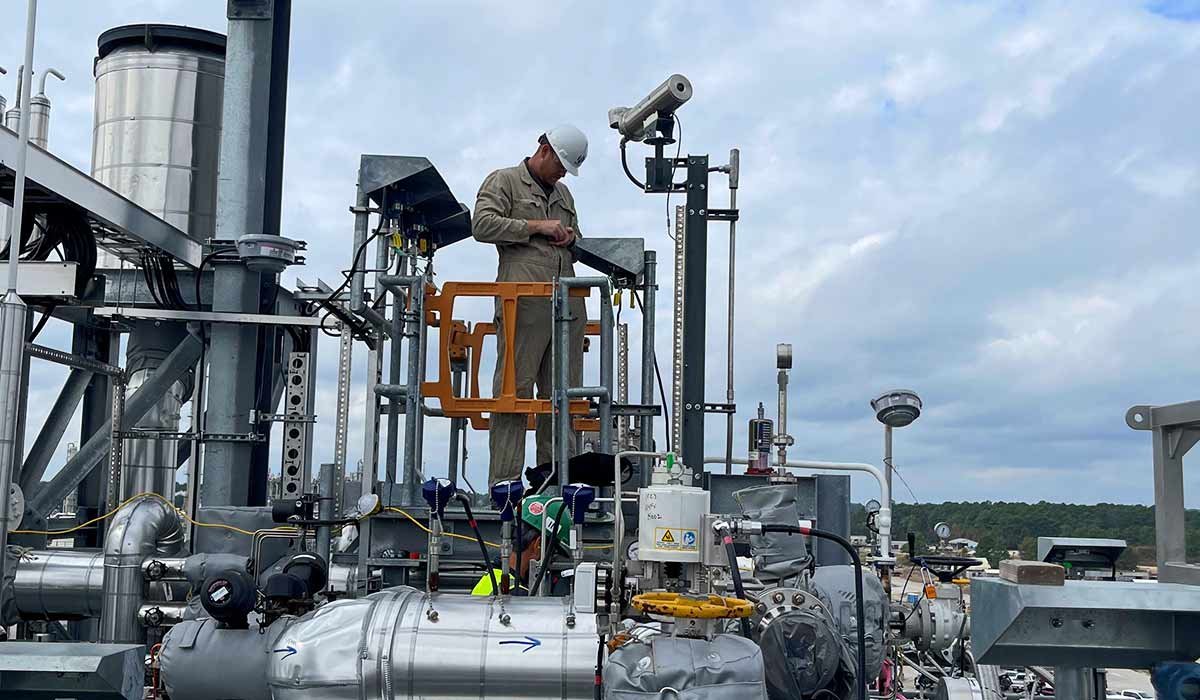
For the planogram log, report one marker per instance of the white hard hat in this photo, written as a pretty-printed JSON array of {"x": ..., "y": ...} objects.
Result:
[{"x": 570, "y": 145}]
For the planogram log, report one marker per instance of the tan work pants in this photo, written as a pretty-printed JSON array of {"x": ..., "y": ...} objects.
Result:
[{"x": 533, "y": 366}]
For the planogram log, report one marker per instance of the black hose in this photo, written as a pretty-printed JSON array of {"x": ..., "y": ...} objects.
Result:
[
  {"x": 548, "y": 552},
  {"x": 487, "y": 563},
  {"x": 599, "y": 683},
  {"x": 518, "y": 536},
  {"x": 858, "y": 591},
  {"x": 738, "y": 589},
  {"x": 625, "y": 164}
]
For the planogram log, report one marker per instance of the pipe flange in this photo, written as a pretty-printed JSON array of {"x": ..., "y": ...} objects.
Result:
[{"x": 774, "y": 603}]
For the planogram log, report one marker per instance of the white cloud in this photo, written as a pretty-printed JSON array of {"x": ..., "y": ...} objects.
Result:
[{"x": 949, "y": 197}]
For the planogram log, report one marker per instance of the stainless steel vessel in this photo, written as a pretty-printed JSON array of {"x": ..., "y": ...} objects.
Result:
[
  {"x": 404, "y": 643},
  {"x": 157, "y": 128}
]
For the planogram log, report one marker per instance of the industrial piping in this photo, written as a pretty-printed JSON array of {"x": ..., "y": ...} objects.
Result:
[
  {"x": 144, "y": 527},
  {"x": 883, "y": 520}
]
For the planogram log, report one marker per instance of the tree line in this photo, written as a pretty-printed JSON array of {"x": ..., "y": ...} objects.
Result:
[{"x": 999, "y": 526}]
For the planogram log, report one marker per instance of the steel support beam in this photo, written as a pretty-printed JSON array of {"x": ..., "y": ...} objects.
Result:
[
  {"x": 50, "y": 436},
  {"x": 250, "y": 163},
  {"x": 646, "y": 423},
  {"x": 1174, "y": 429},
  {"x": 174, "y": 366},
  {"x": 695, "y": 304}
]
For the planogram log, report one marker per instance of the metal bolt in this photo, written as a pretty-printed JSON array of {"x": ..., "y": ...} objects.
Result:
[
  {"x": 1056, "y": 622},
  {"x": 1088, "y": 624},
  {"x": 432, "y": 615},
  {"x": 570, "y": 621},
  {"x": 762, "y": 607},
  {"x": 778, "y": 597},
  {"x": 797, "y": 599},
  {"x": 702, "y": 212},
  {"x": 701, "y": 185},
  {"x": 505, "y": 619}
]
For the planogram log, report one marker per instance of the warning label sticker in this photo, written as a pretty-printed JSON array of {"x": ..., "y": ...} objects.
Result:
[{"x": 675, "y": 539}]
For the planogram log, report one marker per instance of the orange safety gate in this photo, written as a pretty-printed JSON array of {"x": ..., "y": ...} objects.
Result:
[{"x": 454, "y": 341}]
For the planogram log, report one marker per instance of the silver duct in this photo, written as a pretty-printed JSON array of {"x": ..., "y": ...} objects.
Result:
[
  {"x": 66, "y": 584},
  {"x": 145, "y": 527},
  {"x": 59, "y": 584},
  {"x": 150, "y": 464},
  {"x": 397, "y": 643}
]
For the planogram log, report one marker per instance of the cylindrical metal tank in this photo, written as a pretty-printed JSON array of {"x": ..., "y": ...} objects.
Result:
[
  {"x": 399, "y": 643},
  {"x": 157, "y": 127},
  {"x": 406, "y": 643}
]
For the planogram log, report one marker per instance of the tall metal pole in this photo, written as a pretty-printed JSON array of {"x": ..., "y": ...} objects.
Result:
[
  {"x": 252, "y": 122},
  {"x": 733, "y": 188},
  {"x": 646, "y": 423},
  {"x": 694, "y": 336},
  {"x": 887, "y": 459},
  {"x": 13, "y": 312}
]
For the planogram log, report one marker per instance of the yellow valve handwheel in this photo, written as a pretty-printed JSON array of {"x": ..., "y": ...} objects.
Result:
[{"x": 712, "y": 607}]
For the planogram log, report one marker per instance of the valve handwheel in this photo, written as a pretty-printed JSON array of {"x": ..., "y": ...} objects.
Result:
[{"x": 710, "y": 607}]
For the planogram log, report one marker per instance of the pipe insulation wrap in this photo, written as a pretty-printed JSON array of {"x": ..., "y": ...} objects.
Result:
[
  {"x": 388, "y": 645},
  {"x": 58, "y": 585},
  {"x": 201, "y": 660},
  {"x": 142, "y": 528}
]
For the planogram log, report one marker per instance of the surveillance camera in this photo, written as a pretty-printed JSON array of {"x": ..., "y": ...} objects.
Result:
[{"x": 662, "y": 101}]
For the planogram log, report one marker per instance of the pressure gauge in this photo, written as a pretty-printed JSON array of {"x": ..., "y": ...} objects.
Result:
[
  {"x": 872, "y": 506},
  {"x": 942, "y": 530}
]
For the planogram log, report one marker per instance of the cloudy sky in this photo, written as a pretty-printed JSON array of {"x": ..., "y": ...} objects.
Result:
[{"x": 990, "y": 203}]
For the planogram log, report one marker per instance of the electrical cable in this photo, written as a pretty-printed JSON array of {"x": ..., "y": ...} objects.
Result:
[
  {"x": 739, "y": 589},
  {"x": 349, "y": 274},
  {"x": 625, "y": 164},
  {"x": 596, "y": 693},
  {"x": 548, "y": 551},
  {"x": 126, "y": 502},
  {"x": 858, "y": 589},
  {"x": 902, "y": 480},
  {"x": 491, "y": 571}
]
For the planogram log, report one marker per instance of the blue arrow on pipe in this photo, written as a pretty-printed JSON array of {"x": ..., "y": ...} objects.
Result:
[{"x": 529, "y": 642}]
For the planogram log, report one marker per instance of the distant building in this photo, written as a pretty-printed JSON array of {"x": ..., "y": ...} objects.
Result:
[{"x": 964, "y": 543}]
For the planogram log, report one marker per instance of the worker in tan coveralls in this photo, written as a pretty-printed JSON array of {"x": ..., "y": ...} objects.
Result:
[{"x": 529, "y": 214}]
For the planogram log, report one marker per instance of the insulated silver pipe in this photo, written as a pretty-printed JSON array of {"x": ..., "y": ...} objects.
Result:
[
  {"x": 39, "y": 111},
  {"x": 142, "y": 528},
  {"x": 60, "y": 584},
  {"x": 13, "y": 315},
  {"x": 150, "y": 464}
]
